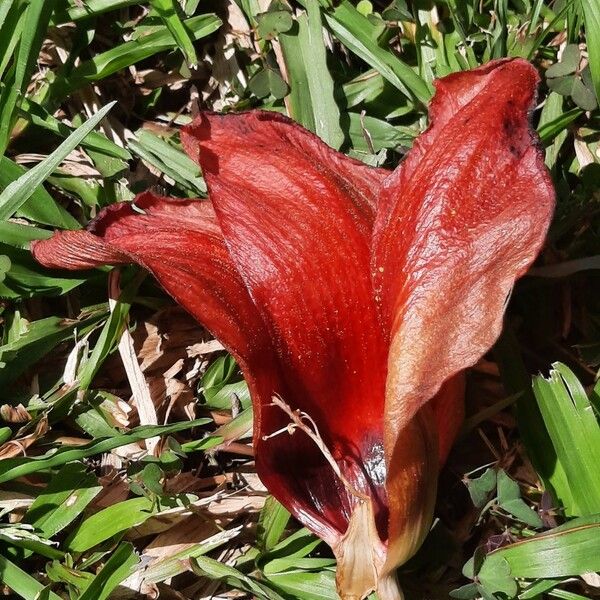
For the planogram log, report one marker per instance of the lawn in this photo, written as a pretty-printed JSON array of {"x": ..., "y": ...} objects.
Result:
[{"x": 126, "y": 453}]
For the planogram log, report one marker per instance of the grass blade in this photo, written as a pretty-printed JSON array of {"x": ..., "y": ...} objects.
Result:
[
  {"x": 63, "y": 500},
  {"x": 20, "y": 236},
  {"x": 357, "y": 33},
  {"x": 129, "y": 53},
  {"x": 5, "y": 8},
  {"x": 19, "y": 191},
  {"x": 271, "y": 524},
  {"x": 572, "y": 549},
  {"x": 35, "y": 341},
  {"x": 115, "y": 570},
  {"x": 299, "y": 101},
  {"x": 167, "y": 9},
  {"x": 40, "y": 206},
  {"x": 21, "y": 582},
  {"x": 170, "y": 161},
  {"x": 10, "y": 32},
  {"x": 591, "y": 17},
  {"x": 36, "y": 22},
  {"x": 89, "y": 9},
  {"x": 575, "y": 433},
  {"x": 539, "y": 446},
  {"x": 312, "y": 91},
  {"x": 548, "y": 131},
  {"x": 97, "y": 142},
  {"x": 212, "y": 569},
  {"x": 110, "y": 521},
  {"x": 18, "y": 467}
]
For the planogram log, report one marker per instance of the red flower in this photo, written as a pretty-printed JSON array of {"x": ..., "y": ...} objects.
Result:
[{"x": 353, "y": 294}]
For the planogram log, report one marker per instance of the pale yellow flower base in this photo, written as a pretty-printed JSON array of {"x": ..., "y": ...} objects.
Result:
[{"x": 361, "y": 558}]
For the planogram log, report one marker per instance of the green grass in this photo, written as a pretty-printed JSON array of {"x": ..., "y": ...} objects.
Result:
[{"x": 84, "y": 510}]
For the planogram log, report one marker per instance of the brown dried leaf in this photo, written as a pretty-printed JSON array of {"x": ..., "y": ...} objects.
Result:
[
  {"x": 188, "y": 532},
  {"x": 19, "y": 446},
  {"x": 14, "y": 414},
  {"x": 114, "y": 490},
  {"x": 188, "y": 482}
]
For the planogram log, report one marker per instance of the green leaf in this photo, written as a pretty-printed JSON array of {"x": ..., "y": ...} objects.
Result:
[
  {"x": 591, "y": 17},
  {"x": 168, "y": 11},
  {"x": 364, "y": 88},
  {"x": 299, "y": 101},
  {"x": 279, "y": 566},
  {"x": 582, "y": 96},
  {"x": 25, "y": 542},
  {"x": 19, "y": 191},
  {"x": 518, "y": 509},
  {"x": 465, "y": 592},
  {"x": 109, "y": 522},
  {"x": 124, "y": 55},
  {"x": 208, "y": 567},
  {"x": 238, "y": 427},
  {"x": 569, "y": 550},
  {"x": 95, "y": 141},
  {"x": 107, "y": 341},
  {"x": 5, "y": 434},
  {"x": 260, "y": 84},
  {"x": 509, "y": 498},
  {"x": 27, "y": 277},
  {"x": 495, "y": 577},
  {"x": 90, "y": 415},
  {"x": 298, "y": 545},
  {"x": 35, "y": 340},
  {"x": 66, "y": 496},
  {"x": 89, "y": 9},
  {"x": 569, "y": 62},
  {"x": 571, "y": 85},
  {"x": 5, "y": 9},
  {"x": 312, "y": 99},
  {"x": 59, "y": 573},
  {"x": 41, "y": 206},
  {"x": 21, "y": 466},
  {"x": 176, "y": 563},
  {"x": 562, "y": 85},
  {"x": 268, "y": 81},
  {"x": 271, "y": 524},
  {"x": 21, "y": 582},
  {"x": 357, "y": 33},
  {"x": 274, "y": 22},
  {"x": 308, "y": 585},
  {"x": 534, "y": 591},
  {"x": 548, "y": 130},
  {"x": 369, "y": 134},
  {"x": 115, "y": 570},
  {"x": 539, "y": 446},
  {"x": 480, "y": 488},
  {"x": 4, "y": 266},
  {"x": 170, "y": 160},
  {"x": 13, "y": 17},
  {"x": 573, "y": 427},
  {"x": 151, "y": 476},
  {"x": 36, "y": 19},
  {"x": 219, "y": 385}
]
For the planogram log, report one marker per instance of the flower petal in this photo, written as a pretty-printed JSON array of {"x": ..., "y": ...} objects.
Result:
[
  {"x": 458, "y": 222},
  {"x": 297, "y": 219},
  {"x": 180, "y": 243},
  {"x": 269, "y": 144}
]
